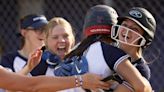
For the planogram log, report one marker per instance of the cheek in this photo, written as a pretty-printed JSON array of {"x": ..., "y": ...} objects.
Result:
[
  {"x": 34, "y": 39},
  {"x": 69, "y": 45},
  {"x": 120, "y": 34},
  {"x": 42, "y": 35},
  {"x": 52, "y": 44},
  {"x": 37, "y": 43},
  {"x": 120, "y": 31},
  {"x": 134, "y": 37}
]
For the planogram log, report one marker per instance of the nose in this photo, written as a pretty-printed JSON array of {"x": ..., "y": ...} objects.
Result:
[{"x": 61, "y": 39}]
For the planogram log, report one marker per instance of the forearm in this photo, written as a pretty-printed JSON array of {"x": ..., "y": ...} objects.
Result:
[
  {"x": 135, "y": 79},
  {"x": 25, "y": 71},
  {"x": 47, "y": 84},
  {"x": 34, "y": 84},
  {"x": 52, "y": 84},
  {"x": 126, "y": 87},
  {"x": 18, "y": 82}
]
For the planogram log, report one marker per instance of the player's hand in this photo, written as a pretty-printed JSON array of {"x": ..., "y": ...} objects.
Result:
[
  {"x": 93, "y": 82},
  {"x": 34, "y": 59}
]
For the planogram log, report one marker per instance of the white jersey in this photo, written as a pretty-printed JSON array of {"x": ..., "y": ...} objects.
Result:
[{"x": 102, "y": 59}]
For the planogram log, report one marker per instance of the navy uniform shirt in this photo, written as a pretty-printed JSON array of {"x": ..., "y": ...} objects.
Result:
[
  {"x": 143, "y": 68},
  {"x": 15, "y": 62}
]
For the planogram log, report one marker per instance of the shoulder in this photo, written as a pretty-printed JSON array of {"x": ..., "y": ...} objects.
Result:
[
  {"x": 112, "y": 49},
  {"x": 113, "y": 55},
  {"x": 9, "y": 56},
  {"x": 7, "y": 59}
]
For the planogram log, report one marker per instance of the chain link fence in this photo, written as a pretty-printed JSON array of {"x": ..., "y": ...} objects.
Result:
[{"x": 74, "y": 11}]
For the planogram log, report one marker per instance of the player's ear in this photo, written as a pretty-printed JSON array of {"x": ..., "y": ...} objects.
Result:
[{"x": 23, "y": 32}]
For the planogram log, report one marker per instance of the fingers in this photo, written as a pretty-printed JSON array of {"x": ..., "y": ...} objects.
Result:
[
  {"x": 35, "y": 56},
  {"x": 104, "y": 85},
  {"x": 93, "y": 81},
  {"x": 101, "y": 84},
  {"x": 39, "y": 53}
]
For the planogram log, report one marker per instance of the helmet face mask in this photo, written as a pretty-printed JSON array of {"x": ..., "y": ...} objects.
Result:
[
  {"x": 127, "y": 36},
  {"x": 144, "y": 19}
]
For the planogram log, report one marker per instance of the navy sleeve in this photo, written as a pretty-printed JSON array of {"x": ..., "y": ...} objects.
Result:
[
  {"x": 7, "y": 61},
  {"x": 112, "y": 55},
  {"x": 143, "y": 68}
]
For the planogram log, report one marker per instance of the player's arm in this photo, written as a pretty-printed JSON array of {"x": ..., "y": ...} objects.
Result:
[
  {"x": 15, "y": 82},
  {"x": 33, "y": 60},
  {"x": 12, "y": 81},
  {"x": 119, "y": 62},
  {"x": 132, "y": 76},
  {"x": 90, "y": 82},
  {"x": 125, "y": 88}
]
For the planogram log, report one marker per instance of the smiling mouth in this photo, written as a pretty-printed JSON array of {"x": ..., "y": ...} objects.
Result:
[{"x": 61, "y": 49}]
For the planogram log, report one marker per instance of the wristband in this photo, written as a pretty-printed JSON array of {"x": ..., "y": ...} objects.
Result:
[{"x": 78, "y": 81}]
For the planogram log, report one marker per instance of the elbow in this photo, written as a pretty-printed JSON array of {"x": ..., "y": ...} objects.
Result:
[
  {"x": 143, "y": 87},
  {"x": 140, "y": 88}
]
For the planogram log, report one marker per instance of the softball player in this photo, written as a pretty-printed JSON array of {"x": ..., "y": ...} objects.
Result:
[
  {"x": 32, "y": 36},
  {"x": 102, "y": 58},
  {"x": 134, "y": 32}
]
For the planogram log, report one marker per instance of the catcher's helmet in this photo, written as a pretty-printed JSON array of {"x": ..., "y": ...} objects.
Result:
[
  {"x": 144, "y": 19},
  {"x": 99, "y": 20}
]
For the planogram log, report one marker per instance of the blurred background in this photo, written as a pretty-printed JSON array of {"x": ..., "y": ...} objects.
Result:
[{"x": 74, "y": 11}]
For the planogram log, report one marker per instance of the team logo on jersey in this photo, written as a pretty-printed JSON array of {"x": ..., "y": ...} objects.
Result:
[{"x": 135, "y": 14}]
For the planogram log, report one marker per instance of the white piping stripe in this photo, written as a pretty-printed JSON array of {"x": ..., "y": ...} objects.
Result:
[
  {"x": 119, "y": 61},
  {"x": 128, "y": 86}
]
